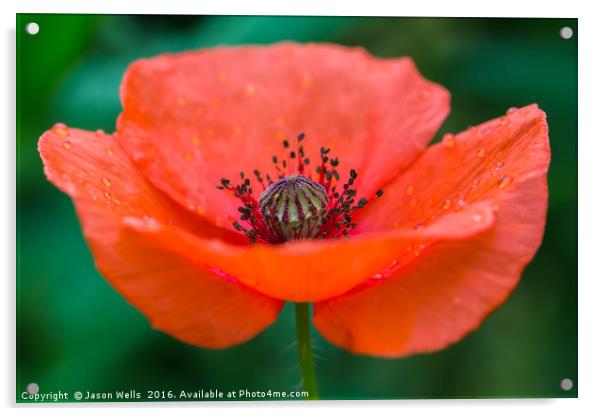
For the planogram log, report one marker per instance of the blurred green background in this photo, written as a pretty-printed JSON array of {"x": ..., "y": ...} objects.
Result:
[{"x": 76, "y": 333}]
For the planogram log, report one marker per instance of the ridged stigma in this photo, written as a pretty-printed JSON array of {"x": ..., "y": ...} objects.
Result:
[{"x": 294, "y": 207}]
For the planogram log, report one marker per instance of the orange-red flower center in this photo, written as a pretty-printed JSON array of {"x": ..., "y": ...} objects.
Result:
[{"x": 296, "y": 205}]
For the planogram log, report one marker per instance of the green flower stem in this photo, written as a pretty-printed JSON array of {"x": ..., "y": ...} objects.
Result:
[{"x": 306, "y": 360}]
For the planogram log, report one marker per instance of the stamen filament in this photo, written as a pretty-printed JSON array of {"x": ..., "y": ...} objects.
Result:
[{"x": 294, "y": 206}]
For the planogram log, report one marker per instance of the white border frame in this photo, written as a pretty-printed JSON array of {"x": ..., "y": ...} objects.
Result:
[{"x": 590, "y": 210}]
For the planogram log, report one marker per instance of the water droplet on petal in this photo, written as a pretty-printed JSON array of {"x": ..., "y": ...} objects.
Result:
[
  {"x": 481, "y": 153},
  {"x": 419, "y": 226},
  {"x": 477, "y": 217},
  {"x": 497, "y": 167},
  {"x": 109, "y": 151},
  {"x": 485, "y": 129},
  {"x": 475, "y": 182},
  {"x": 106, "y": 182},
  {"x": 60, "y": 129},
  {"x": 504, "y": 120},
  {"x": 67, "y": 145},
  {"x": 100, "y": 132},
  {"x": 448, "y": 140},
  {"x": 447, "y": 203},
  {"x": 504, "y": 182},
  {"x": 109, "y": 197},
  {"x": 511, "y": 110},
  {"x": 461, "y": 203}
]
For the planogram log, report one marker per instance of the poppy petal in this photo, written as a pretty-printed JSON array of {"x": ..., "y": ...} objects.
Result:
[
  {"x": 453, "y": 285},
  {"x": 191, "y": 119},
  {"x": 474, "y": 165},
  {"x": 313, "y": 270},
  {"x": 179, "y": 297}
]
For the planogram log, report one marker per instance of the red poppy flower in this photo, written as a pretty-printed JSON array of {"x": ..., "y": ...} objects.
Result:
[{"x": 171, "y": 226}]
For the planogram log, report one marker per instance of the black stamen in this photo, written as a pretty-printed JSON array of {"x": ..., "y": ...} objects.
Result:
[{"x": 335, "y": 222}]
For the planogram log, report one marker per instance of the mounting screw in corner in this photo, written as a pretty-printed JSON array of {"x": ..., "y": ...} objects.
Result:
[
  {"x": 32, "y": 28},
  {"x": 566, "y": 384},
  {"x": 566, "y": 32},
  {"x": 32, "y": 388}
]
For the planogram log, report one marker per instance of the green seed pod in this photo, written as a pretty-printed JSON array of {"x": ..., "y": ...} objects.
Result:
[{"x": 294, "y": 207}]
